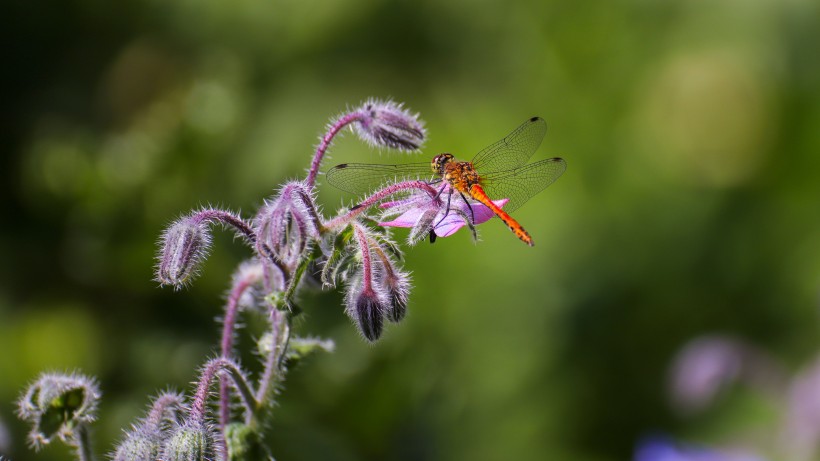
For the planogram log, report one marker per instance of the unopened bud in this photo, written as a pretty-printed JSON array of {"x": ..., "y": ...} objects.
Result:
[
  {"x": 388, "y": 124},
  {"x": 144, "y": 441},
  {"x": 183, "y": 247},
  {"x": 56, "y": 404},
  {"x": 139, "y": 445},
  {"x": 288, "y": 223},
  {"x": 191, "y": 441},
  {"x": 397, "y": 285},
  {"x": 367, "y": 310}
]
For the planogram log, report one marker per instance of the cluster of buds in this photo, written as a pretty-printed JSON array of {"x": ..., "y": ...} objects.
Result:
[
  {"x": 289, "y": 237},
  {"x": 378, "y": 289}
]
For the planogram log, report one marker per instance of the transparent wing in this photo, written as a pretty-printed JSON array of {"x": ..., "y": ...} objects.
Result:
[
  {"x": 521, "y": 184},
  {"x": 363, "y": 178},
  {"x": 514, "y": 150}
]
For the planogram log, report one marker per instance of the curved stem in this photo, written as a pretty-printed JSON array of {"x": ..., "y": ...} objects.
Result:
[
  {"x": 324, "y": 144},
  {"x": 160, "y": 408},
  {"x": 229, "y": 323},
  {"x": 226, "y": 217},
  {"x": 209, "y": 372}
]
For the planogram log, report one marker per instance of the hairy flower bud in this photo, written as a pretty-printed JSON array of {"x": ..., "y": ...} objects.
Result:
[
  {"x": 56, "y": 404},
  {"x": 397, "y": 285},
  {"x": 366, "y": 308},
  {"x": 144, "y": 441},
  {"x": 287, "y": 224},
  {"x": 183, "y": 247},
  {"x": 192, "y": 441},
  {"x": 139, "y": 445},
  {"x": 388, "y": 124}
]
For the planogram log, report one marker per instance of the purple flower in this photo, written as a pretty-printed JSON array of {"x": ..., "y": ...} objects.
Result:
[
  {"x": 801, "y": 431},
  {"x": 420, "y": 214},
  {"x": 663, "y": 449},
  {"x": 708, "y": 365}
]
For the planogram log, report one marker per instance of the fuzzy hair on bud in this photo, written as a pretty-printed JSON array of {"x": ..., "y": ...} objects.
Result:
[
  {"x": 287, "y": 224},
  {"x": 144, "y": 441},
  {"x": 56, "y": 404},
  {"x": 183, "y": 248},
  {"x": 388, "y": 124},
  {"x": 139, "y": 445},
  {"x": 397, "y": 285},
  {"x": 367, "y": 310},
  {"x": 192, "y": 441}
]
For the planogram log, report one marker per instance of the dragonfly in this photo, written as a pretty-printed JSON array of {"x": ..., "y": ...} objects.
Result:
[{"x": 499, "y": 171}]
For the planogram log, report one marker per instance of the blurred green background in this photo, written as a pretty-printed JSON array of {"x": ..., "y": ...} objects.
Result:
[{"x": 690, "y": 205}]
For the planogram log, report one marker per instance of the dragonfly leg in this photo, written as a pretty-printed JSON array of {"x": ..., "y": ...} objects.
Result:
[
  {"x": 447, "y": 211},
  {"x": 439, "y": 192},
  {"x": 472, "y": 213}
]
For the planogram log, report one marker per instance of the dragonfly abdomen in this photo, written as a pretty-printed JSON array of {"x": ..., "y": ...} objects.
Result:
[{"x": 477, "y": 192}]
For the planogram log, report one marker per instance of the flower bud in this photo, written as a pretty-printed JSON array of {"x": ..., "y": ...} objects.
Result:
[
  {"x": 139, "y": 445},
  {"x": 287, "y": 224},
  {"x": 144, "y": 441},
  {"x": 367, "y": 310},
  {"x": 387, "y": 124},
  {"x": 191, "y": 441},
  {"x": 397, "y": 285},
  {"x": 183, "y": 247},
  {"x": 56, "y": 404},
  {"x": 245, "y": 443}
]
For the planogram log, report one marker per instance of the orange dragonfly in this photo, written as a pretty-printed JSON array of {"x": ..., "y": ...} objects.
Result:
[{"x": 497, "y": 172}]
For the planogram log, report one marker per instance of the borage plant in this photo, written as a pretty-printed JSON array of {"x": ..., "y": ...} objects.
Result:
[{"x": 289, "y": 238}]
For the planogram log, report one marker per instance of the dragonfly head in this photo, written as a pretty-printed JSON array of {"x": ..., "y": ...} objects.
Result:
[{"x": 439, "y": 161}]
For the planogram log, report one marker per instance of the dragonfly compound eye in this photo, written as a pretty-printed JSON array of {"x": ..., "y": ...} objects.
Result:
[{"x": 439, "y": 161}]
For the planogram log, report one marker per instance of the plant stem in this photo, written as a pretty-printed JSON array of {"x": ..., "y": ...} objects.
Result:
[
  {"x": 226, "y": 217},
  {"x": 231, "y": 311},
  {"x": 82, "y": 442},
  {"x": 271, "y": 363},
  {"x": 324, "y": 144},
  {"x": 344, "y": 219},
  {"x": 209, "y": 372}
]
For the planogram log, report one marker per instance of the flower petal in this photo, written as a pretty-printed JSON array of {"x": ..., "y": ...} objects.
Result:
[{"x": 455, "y": 221}]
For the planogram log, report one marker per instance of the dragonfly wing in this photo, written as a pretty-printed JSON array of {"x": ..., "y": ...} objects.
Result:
[
  {"x": 363, "y": 178},
  {"x": 514, "y": 150},
  {"x": 521, "y": 184}
]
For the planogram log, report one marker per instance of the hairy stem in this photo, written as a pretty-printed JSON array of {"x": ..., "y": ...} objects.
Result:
[
  {"x": 228, "y": 218},
  {"x": 231, "y": 311},
  {"x": 364, "y": 247},
  {"x": 82, "y": 443},
  {"x": 272, "y": 361},
  {"x": 324, "y": 144},
  {"x": 343, "y": 220},
  {"x": 209, "y": 372},
  {"x": 160, "y": 409}
]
